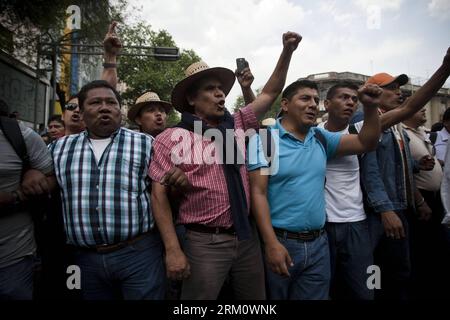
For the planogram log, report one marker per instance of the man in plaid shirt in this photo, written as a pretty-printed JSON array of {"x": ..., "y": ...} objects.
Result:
[{"x": 102, "y": 173}]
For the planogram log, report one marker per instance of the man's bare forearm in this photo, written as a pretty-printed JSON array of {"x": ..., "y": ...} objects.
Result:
[
  {"x": 248, "y": 95},
  {"x": 418, "y": 99},
  {"x": 163, "y": 217},
  {"x": 370, "y": 131},
  {"x": 110, "y": 74}
]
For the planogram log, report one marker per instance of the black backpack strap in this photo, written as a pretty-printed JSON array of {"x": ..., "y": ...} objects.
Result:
[
  {"x": 433, "y": 137},
  {"x": 13, "y": 134},
  {"x": 319, "y": 136},
  {"x": 352, "y": 129}
]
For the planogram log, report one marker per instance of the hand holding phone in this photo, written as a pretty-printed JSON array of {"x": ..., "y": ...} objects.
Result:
[{"x": 241, "y": 64}]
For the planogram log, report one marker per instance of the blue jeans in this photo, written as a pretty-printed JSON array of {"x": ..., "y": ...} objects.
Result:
[
  {"x": 16, "y": 281},
  {"x": 137, "y": 271},
  {"x": 350, "y": 255},
  {"x": 310, "y": 275}
]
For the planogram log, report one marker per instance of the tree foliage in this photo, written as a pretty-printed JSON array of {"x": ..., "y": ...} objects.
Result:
[
  {"x": 27, "y": 20},
  {"x": 30, "y": 20},
  {"x": 142, "y": 73}
]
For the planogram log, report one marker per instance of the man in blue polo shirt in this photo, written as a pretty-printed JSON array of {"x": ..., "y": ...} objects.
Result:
[{"x": 289, "y": 204}]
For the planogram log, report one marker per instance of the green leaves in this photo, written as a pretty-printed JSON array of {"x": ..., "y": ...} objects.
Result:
[{"x": 142, "y": 73}]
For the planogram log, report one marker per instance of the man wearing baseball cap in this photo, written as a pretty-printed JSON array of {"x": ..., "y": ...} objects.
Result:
[
  {"x": 220, "y": 240},
  {"x": 387, "y": 179}
]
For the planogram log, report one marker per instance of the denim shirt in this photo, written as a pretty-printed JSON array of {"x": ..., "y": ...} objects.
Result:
[{"x": 382, "y": 174}]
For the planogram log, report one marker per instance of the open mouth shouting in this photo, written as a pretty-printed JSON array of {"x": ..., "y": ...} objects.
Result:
[
  {"x": 75, "y": 117},
  {"x": 221, "y": 105}
]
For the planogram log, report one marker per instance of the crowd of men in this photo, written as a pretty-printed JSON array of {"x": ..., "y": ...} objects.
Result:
[{"x": 216, "y": 206}]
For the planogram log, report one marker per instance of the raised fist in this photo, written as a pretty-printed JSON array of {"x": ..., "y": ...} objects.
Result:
[
  {"x": 369, "y": 95},
  {"x": 291, "y": 40}
]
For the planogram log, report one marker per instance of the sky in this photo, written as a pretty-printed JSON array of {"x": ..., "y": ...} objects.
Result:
[{"x": 362, "y": 36}]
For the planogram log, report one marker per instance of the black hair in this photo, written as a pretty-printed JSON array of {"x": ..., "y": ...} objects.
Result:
[
  {"x": 292, "y": 89},
  {"x": 344, "y": 84},
  {"x": 446, "y": 115},
  {"x": 437, "y": 127},
  {"x": 73, "y": 97},
  {"x": 82, "y": 95},
  {"x": 55, "y": 117}
]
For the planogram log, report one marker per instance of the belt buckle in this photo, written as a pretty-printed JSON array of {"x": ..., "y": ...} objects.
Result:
[
  {"x": 102, "y": 248},
  {"x": 305, "y": 235},
  {"x": 106, "y": 248}
]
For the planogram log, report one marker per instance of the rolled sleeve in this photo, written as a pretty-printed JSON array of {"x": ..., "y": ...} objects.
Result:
[
  {"x": 255, "y": 154},
  {"x": 245, "y": 118},
  {"x": 40, "y": 157}
]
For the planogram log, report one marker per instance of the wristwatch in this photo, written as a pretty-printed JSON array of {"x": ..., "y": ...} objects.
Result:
[{"x": 109, "y": 65}]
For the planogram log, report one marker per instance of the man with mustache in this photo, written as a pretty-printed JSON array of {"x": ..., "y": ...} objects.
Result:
[
  {"x": 387, "y": 180},
  {"x": 102, "y": 173},
  {"x": 220, "y": 240},
  {"x": 71, "y": 111}
]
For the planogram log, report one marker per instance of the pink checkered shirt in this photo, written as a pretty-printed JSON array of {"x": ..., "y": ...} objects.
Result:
[{"x": 207, "y": 203}]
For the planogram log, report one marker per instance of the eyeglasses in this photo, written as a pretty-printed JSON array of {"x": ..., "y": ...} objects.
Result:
[{"x": 70, "y": 106}]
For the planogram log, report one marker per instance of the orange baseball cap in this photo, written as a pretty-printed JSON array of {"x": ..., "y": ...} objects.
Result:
[{"x": 384, "y": 79}]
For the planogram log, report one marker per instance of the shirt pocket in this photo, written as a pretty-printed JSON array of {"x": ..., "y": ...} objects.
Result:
[{"x": 133, "y": 172}]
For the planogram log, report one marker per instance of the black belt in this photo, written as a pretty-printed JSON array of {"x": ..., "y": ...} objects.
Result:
[
  {"x": 305, "y": 235},
  {"x": 107, "y": 248},
  {"x": 206, "y": 229}
]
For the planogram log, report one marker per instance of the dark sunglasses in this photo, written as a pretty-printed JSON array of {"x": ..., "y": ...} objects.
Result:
[{"x": 70, "y": 106}]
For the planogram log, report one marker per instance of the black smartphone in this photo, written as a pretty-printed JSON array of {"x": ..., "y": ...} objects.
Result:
[{"x": 241, "y": 64}]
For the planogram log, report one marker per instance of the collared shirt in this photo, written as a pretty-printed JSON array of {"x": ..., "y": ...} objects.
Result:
[
  {"x": 441, "y": 143},
  {"x": 207, "y": 202},
  {"x": 108, "y": 202},
  {"x": 420, "y": 145},
  {"x": 296, "y": 191}
]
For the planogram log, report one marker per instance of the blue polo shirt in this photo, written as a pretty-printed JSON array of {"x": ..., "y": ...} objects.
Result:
[{"x": 296, "y": 187}]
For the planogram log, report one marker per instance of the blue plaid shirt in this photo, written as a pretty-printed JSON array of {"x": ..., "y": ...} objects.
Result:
[{"x": 108, "y": 202}]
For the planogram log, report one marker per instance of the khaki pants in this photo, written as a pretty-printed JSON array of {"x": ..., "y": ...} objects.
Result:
[{"x": 214, "y": 257}]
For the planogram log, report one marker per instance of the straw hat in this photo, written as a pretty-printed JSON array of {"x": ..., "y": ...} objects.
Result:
[
  {"x": 144, "y": 100},
  {"x": 195, "y": 72}
]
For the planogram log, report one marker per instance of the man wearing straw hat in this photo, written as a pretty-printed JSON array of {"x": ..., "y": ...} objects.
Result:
[
  {"x": 150, "y": 113},
  {"x": 220, "y": 240}
]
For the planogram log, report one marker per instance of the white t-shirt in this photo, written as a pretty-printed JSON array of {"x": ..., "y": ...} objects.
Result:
[
  {"x": 99, "y": 146},
  {"x": 343, "y": 194},
  {"x": 441, "y": 143}
]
